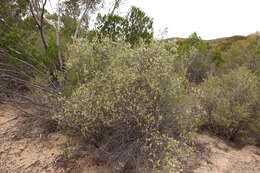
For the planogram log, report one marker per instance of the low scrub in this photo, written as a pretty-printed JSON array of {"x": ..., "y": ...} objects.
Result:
[
  {"x": 131, "y": 103},
  {"x": 230, "y": 103}
]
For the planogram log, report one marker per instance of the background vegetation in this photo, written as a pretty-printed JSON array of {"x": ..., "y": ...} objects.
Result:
[{"x": 136, "y": 99}]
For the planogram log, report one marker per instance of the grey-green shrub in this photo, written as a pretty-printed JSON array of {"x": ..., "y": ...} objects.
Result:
[
  {"x": 244, "y": 52},
  {"x": 229, "y": 102},
  {"x": 131, "y": 103}
]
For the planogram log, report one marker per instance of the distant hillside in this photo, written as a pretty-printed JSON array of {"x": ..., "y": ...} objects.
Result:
[
  {"x": 174, "y": 38},
  {"x": 215, "y": 41},
  {"x": 223, "y": 43}
]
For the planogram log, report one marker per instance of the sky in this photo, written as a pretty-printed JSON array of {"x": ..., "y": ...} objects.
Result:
[{"x": 210, "y": 19}]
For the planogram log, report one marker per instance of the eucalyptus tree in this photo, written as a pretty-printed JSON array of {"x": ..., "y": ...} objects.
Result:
[
  {"x": 79, "y": 12},
  {"x": 136, "y": 25},
  {"x": 37, "y": 9},
  {"x": 11, "y": 13}
]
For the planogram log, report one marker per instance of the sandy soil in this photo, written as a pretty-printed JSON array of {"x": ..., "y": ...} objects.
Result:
[
  {"x": 217, "y": 156},
  {"x": 26, "y": 147}
]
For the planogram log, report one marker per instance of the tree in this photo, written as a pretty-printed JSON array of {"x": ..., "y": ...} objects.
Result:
[
  {"x": 76, "y": 14},
  {"x": 139, "y": 26},
  {"x": 111, "y": 25},
  {"x": 55, "y": 21},
  {"x": 116, "y": 5},
  {"x": 58, "y": 34},
  {"x": 11, "y": 13},
  {"x": 16, "y": 30},
  {"x": 132, "y": 28},
  {"x": 37, "y": 9}
]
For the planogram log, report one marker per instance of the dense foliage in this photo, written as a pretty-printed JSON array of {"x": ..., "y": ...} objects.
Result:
[
  {"x": 244, "y": 52},
  {"x": 229, "y": 102},
  {"x": 131, "y": 103},
  {"x": 136, "y": 99},
  {"x": 133, "y": 28}
]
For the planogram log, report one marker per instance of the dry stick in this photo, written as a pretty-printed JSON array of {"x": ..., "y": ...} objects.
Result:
[
  {"x": 34, "y": 69},
  {"x": 34, "y": 85},
  {"x": 5, "y": 64},
  {"x": 10, "y": 27},
  {"x": 9, "y": 76},
  {"x": 5, "y": 122},
  {"x": 17, "y": 52},
  {"x": 18, "y": 73},
  {"x": 30, "y": 65},
  {"x": 10, "y": 49},
  {"x": 15, "y": 71},
  {"x": 17, "y": 103},
  {"x": 37, "y": 106},
  {"x": 26, "y": 98},
  {"x": 7, "y": 54},
  {"x": 32, "y": 115}
]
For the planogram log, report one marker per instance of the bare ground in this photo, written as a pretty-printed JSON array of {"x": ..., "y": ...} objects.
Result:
[
  {"x": 218, "y": 156},
  {"x": 26, "y": 150},
  {"x": 26, "y": 147}
]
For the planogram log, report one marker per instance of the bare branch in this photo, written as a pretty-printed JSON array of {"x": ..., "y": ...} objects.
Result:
[
  {"x": 116, "y": 5},
  {"x": 48, "y": 90},
  {"x": 39, "y": 18},
  {"x": 58, "y": 36},
  {"x": 88, "y": 6},
  {"x": 33, "y": 14}
]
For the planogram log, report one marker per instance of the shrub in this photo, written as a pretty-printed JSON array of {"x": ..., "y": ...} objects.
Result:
[
  {"x": 243, "y": 52},
  {"x": 197, "y": 58},
  {"x": 199, "y": 66},
  {"x": 130, "y": 103},
  {"x": 229, "y": 102}
]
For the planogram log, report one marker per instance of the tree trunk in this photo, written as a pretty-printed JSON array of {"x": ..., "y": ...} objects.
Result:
[
  {"x": 79, "y": 23},
  {"x": 116, "y": 6},
  {"x": 58, "y": 36},
  {"x": 39, "y": 21},
  {"x": 44, "y": 40}
]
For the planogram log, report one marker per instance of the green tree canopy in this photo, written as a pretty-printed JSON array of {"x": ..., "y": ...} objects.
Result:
[{"x": 133, "y": 27}]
